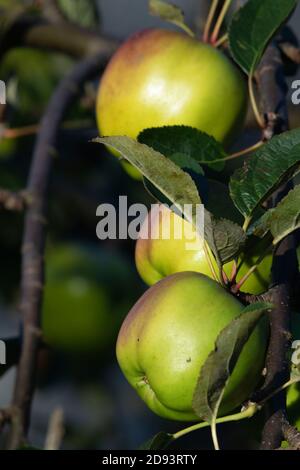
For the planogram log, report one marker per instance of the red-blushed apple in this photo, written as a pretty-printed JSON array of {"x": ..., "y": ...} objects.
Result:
[{"x": 160, "y": 77}]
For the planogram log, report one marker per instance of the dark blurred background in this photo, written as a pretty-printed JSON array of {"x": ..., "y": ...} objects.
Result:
[{"x": 91, "y": 285}]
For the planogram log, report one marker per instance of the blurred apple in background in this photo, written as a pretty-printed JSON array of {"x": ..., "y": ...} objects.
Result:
[{"x": 88, "y": 291}]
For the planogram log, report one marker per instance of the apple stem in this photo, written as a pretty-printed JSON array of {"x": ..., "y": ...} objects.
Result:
[
  {"x": 210, "y": 17},
  {"x": 214, "y": 435},
  {"x": 221, "y": 41},
  {"x": 258, "y": 117},
  {"x": 247, "y": 413},
  {"x": 234, "y": 271},
  {"x": 240, "y": 153},
  {"x": 280, "y": 389},
  {"x": 209, "y": 261},
  {"x": 243, "y": 152},
  {"x": 238, "y": 286},
  {"x": 246, "y": 223},
  {"x": 224, "y": 276},
  {"x": 218, "y": 25}
]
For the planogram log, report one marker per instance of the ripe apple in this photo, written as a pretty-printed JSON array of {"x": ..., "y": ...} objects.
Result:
[
  {"x": 161, "y": 255},
  {"x": 159, "y": 77},
  {"x": 81, "y": 312},
  {"x": 167, "y": 336}
]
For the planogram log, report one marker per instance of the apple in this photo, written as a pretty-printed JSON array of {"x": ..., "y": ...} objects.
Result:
[
  {"x": 293, "y": 394},
  {"x": 159, "y": 77},
  {"x": 167, "y": 336},
  {"x": 161, "y": 255},
  {"x": 81, "y": 312},
  {"x": 293, "y": 404}
]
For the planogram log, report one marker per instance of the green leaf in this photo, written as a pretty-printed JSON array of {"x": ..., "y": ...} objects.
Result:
[
  {"x": 271, "y": 165},
  {"x": 169, "y": 12},
  {"x": 220, "y": 204},
  {"x": 220, "y": 363},
  {"x": 225, "y": 238},
  {"x": 253, "y": 26},
  {"x": 261, "y": 226},
  {"x": 176, "y": 185},
  {"x": 159, "y": 441},
  {"x": 286, "y": 216},
  {"x": 192, "y": 143},
  {"x": 282, "y": 220},
  {"x": 186, "y": 162},
  {"x": 81, "y": 12}
]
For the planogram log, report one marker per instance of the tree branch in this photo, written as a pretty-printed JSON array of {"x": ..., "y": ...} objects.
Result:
[
  {"x": 273, "y": 89},
  {"x": 35, "y": 236},
  {"x": 37, "y": 32},
  {"x": 291, "y": 435}
]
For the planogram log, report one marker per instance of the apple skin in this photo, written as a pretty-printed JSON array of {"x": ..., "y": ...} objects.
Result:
[
  {"x": 81, "y": 313},
  {"x": 293, "y": 405},
  {"x": 167, "y": 336},
  {"x": 157, "y": 257},
  {"x": 160, "y": 77},
  {"x": 293, "y": 393}
]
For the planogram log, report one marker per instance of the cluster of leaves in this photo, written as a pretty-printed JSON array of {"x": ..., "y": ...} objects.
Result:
[{"x": 168, "y": 157}]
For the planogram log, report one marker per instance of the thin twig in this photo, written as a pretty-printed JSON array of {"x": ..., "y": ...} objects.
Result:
[
  {"x": 220, "y": 20},
  {"x": 35, "y": 236},
  {"x": 15, "y": 133},
  {"x": 56, "y": 430},
  {"x": 209, "y": 20},
  {"x": 223, "y": 39}
]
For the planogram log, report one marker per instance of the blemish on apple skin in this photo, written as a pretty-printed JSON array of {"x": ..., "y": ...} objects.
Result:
[{"x": 189, "y": 359}]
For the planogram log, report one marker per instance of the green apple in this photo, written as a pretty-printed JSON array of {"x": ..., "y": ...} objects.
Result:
[
  {"x": 293, "y": 405},
  {"x": 167, "y": 252},
  {"x": 81, "y": 312},
  {"x": 167, "y": 336},
  {"x": 159, "y": 77},
  {"x": 293, "y": 394}
]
